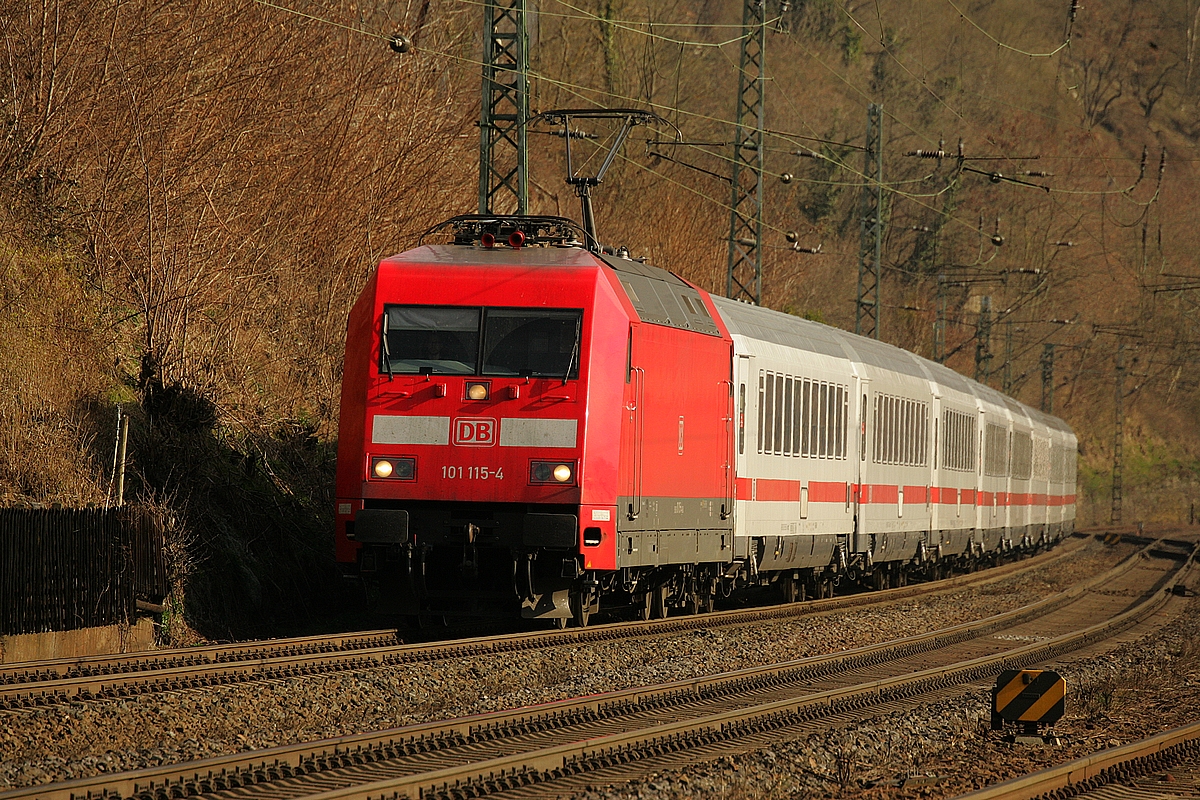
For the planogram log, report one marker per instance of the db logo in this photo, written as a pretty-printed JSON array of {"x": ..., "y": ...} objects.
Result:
[{"x": 475, "y": 431}]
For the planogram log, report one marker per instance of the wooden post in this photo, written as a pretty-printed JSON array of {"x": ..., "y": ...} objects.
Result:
[{"x": 121, "y": 460}]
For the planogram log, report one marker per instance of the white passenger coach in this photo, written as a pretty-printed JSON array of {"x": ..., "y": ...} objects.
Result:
[{"x": 856, "y": 458}]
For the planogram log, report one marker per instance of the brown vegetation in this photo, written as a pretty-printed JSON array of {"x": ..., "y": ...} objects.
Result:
[{"x": 195, "y": 191}]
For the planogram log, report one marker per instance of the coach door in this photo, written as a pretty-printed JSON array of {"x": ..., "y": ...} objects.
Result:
[{"x": 862, "y": 541}]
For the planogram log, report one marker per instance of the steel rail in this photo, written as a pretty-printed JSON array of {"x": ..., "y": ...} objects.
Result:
[
  {"x": 294, "y": 760},
  {"x": 514, "y": 771},
  {"x": 25, "y": 672},
  {"x": 131, "y": 681},
  {"x": 1113, "y": 765}
]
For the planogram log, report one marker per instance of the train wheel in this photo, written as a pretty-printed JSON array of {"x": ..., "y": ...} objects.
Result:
[
  {"x": 659, "y": 600},
  {"x": 826, "y": 587},
  {"x": 790, "y": 588},
  {"x": 581, "y": 609},
  {"x": 647, "y": 605}
]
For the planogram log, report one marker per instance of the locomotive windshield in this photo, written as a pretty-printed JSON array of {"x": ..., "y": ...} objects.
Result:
[
  {"x": 533, "y": 342},
  {"x": 431, "y": 339},
  {"x": 518, "y": 342}
]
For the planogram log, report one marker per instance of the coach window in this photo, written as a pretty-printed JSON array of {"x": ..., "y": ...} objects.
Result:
[
  {"x": 778, "y": 441},
  {"x": 825, "y": 420},
  {"x": 430, "y": 339},
  {"x": 787, "y": 416},
  {"x": 806, "y": 396},
  {"x": 769, "y": 414},
  {"x": 761, "y": 408},
  {"x": 797, "y": 416},
  {"x": 840, "y": 450}
]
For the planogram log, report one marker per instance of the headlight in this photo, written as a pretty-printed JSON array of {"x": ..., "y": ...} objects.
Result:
[
  {"x": 478, "y": 391},
  {"x": 397, "y": 469},
  {"x": 552, "y": 472}
]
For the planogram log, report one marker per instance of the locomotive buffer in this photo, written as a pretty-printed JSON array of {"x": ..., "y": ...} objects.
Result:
[{"x": 1031, "y": 700}]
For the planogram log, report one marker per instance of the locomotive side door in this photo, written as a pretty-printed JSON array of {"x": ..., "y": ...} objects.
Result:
[
  {"x": 635, "y": 379},
  {"x": 745, "y": 397}
]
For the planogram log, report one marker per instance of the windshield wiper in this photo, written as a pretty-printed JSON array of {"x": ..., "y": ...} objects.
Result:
[
  {"x": 387, "y": 351},
  {"x": 574, "y": 351}
]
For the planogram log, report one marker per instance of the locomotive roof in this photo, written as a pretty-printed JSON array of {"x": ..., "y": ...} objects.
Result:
[
  {"x": 450, "y": 255},
  {"x": 766, "y": 324}
]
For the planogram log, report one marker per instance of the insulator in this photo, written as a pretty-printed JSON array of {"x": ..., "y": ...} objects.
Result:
[
  {"x": 921, "y": 228},
  {"x": 1038, "y": 173},
  {"x": 791, "y": 236},
  {"x": 400, "y": 43},
  {"x": 995, "y": 177},
  {"x": 810, "y": 250},
  {"x": 807, "y": 154},
  {"x": 1074, "y": 9},
  {"x": 785, "y": 6},
  {"x": 997, "y": 239},
  {"x": 747, "y": 242},
  {"x": 1064, "y": 243},
  {"x": 939, "y": 153},
  {"x": 786, "y": 177}
]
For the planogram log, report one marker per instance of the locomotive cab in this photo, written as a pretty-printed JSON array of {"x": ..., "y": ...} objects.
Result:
[{"x": 481, "y": 394}]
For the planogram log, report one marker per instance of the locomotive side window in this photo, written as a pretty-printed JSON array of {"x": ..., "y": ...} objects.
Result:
[
  {"x": 431, "y": 339},
  {"x": 541, "y": 343}
]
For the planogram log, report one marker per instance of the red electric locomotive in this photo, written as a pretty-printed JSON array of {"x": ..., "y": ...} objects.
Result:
[{"x": 497, "y": 419}]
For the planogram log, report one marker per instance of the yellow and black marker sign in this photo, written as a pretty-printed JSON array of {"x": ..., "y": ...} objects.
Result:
[{"x": 1029, "y": 696}]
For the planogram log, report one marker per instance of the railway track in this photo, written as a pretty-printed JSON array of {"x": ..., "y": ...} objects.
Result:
[
  {"x": 1161, "y": 767},
  {"x": 563, "y": 745},
  {"x": 33, "y": 684}
]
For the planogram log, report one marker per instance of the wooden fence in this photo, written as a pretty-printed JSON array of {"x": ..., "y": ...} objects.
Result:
[{"x": 62, "y": 569}]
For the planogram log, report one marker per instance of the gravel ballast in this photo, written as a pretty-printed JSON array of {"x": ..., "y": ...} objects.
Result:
[
  {"x": 87, "y": 738},
  {"x": 946, "y": 748}
]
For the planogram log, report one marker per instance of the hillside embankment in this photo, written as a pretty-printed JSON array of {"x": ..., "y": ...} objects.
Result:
[{"x": 194, "y": 195}]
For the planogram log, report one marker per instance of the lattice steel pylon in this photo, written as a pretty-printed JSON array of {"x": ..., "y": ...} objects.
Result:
[
  {"x": 504, "y": 112},
  {"x": 870, "y": 252},
  {"x": 744, "y": 274},
  {"x": 1118, "y": 437},
  {"x": 983, "y": 341},
  {"x": 1048, "y": 377}
]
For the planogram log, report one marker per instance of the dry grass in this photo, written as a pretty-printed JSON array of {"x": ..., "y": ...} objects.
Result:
[{"x": 195, "y": 196}]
